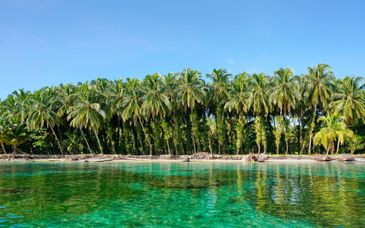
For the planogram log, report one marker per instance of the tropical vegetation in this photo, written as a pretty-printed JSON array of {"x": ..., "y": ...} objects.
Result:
[{"x": 181, "y": 113}]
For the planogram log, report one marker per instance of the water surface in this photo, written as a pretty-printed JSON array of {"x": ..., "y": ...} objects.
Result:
[{"x": 179, "y": 194}]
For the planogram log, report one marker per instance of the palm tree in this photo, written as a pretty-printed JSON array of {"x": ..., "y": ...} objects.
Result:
[
  {"x": 238, "y": 97},
  {"x": 44, "y": 112},
  {"x": 86, "y": 114},
  {"x": 16, "y": 135},
  {"x": 218, "y": 94},
  {"x": 349, "y": 100},
  {"x": 320, "y": 80},
  {"x": 334, "y": 129},
  {"x": 155, "y": 100},
  {"x": 190, "y": 89},
  {"x": 260, "y": 134},
  {"x": 258, "y": 99},
  {"x": 278, "y": 131},
  {"x": 285, "y": 91},
  {"x": 237, "y": 101},
  {"x": 132, "y": 110},
  {"x": 212, "y": 133},
  {"x": 357, "y": 143},
  {"x": 191, "y": 92}
]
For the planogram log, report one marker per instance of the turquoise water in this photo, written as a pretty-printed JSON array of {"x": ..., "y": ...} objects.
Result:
[{"x": 196, "y": 194}]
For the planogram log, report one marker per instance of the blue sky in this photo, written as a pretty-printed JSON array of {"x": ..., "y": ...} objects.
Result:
[{"x": 48, "y": 42}]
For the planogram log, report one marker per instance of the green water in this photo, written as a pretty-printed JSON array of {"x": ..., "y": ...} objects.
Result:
[{"x": 181, "y": 194}]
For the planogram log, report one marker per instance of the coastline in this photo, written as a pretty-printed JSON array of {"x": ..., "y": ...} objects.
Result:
[{"x": 199, "y": 157}]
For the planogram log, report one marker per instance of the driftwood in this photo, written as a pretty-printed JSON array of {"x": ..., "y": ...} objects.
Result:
[
  {"x": 258, "y": 158},
  {"x": 323, "y": 158},
  {"x": 346, "y": 157},
  {"x": 99, "y": 160}
]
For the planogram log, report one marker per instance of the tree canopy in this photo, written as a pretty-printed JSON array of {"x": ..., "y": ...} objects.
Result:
[{"x": 187, "y": 112}]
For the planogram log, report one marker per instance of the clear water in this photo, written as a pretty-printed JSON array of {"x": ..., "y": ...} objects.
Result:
[{"x": 181, "y": 194}]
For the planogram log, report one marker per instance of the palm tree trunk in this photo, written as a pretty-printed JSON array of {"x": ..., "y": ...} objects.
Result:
[
  {"x": 97, "y": 139},
  {"x": 328, "y": 150},
  {"x": 58, "y": 141},
  {"x": 168, "y": 147},
  {"x": 210, "y": 146},
  {"x": 3, "y": 147},
  {"x": 287, "y": 147},
  {"x": 338, "y": 146},
  {"x": 194, "y": 145},
  {"x": 311, "y": 130},
  {"x": 87, "y": 143}
]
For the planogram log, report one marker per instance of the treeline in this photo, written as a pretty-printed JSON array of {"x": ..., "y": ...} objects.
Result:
[{"x": 180, "y": 113}]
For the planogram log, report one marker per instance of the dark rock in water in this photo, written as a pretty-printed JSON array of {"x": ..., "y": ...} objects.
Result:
[
  {"x": 346, "y": 157},
  {"x": 74, "y": 159}
]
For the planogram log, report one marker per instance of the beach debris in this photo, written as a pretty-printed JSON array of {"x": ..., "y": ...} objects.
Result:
[
  {"x": 346, "y": 157},
  {"x": 99, "y": 160},
  {"x": 187, "y": 159},
  {"x": 321, "y": 158}
]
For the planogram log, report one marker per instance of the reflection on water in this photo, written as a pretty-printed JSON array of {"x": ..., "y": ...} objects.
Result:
[{"x": 185, "y": 194}]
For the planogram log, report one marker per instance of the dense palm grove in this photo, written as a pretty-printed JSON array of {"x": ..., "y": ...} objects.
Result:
[{"x": 180, "y": 113}]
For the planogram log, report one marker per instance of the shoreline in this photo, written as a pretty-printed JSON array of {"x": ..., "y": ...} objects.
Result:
[{"x": 199, "y": 157}]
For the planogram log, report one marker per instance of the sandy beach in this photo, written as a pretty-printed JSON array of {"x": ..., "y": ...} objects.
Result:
[{"x": 200, "y": 157}]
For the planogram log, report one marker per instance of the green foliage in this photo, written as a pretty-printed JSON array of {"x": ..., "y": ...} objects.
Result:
[{"x": 180, "y": 113}]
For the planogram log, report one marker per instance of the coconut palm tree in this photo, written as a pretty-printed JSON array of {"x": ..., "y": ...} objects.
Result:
[
  {"x": 349, "y": 101},
  {"x": 285, "y": 91},
  {"x": 16, "y": 135},
  {"x": 237, "y": 102},
  {"x": 86, "y": 114},
  {"x": 278, "y": 131},
  {"x": 190, "y": 89},
  {"x": 258, "y": 98},
  {"x": 156, "y": 103},
  {"x": 334, "y": 129},
  {"x": 320, "y": 81},
  {"x": 43, "y": 112},
  {"x": 217, "y": 96}
]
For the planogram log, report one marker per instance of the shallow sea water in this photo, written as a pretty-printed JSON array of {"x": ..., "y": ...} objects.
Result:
[{"x": 176, "y": 194}]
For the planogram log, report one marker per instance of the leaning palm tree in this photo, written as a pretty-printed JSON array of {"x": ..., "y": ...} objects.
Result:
[
  {"x": 320, "y": 81},
  {"x": 334, "y": 129},
  {"x": 86, "y": 114},
  {"x": 44, "y": 112},
  {"x": 349, "y": 100}
]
